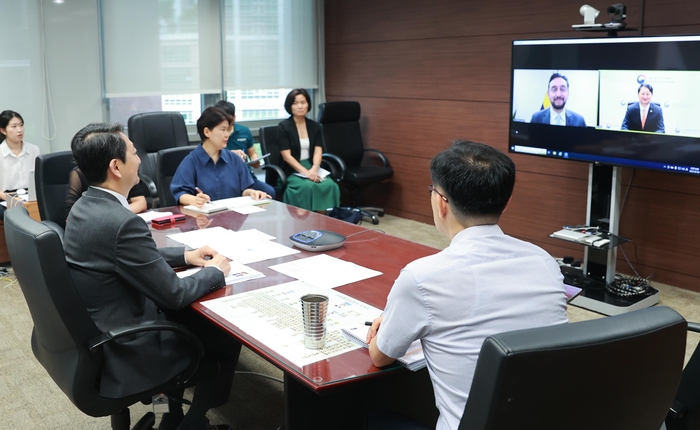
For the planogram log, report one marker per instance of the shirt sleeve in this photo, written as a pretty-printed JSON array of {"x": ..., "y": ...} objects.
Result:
[
  {"x": 75, "y": 190},
  {"x": 184, "y": 180},
  {"x": 405, "y": 317},
  {"x": 284, "y": 139},
  {"x": 245, "y": 178},
  {"x": 136, "y": 191},
  {"x": 249, "y": 142}
]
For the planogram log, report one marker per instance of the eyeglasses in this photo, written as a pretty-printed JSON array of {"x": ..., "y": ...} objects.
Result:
[{"x": 431, "y": 189}]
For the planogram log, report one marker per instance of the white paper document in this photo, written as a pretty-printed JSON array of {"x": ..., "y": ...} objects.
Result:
[
  {"x": 324, "y": 271},
  {"x": 245, "y": 249},
  {"x": 321, "y": 172},
  {"x": 239, "y": 202},
  {"x": 247, "y": 210},
  {"x": 151, "y": 215},
  {"x": 273, "y": 316},
  {"x": 238, "y": 273}
]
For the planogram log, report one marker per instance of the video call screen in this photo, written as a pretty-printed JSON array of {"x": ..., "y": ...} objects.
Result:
[{"x": 623, "y": 101}]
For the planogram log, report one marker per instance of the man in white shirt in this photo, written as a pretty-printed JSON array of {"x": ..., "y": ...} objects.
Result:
[{"x": 484, "y": 283}]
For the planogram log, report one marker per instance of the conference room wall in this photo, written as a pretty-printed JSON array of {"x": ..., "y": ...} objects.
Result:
[
  {"x": 429, "y": 72},
  {"x": 73, "y": 72}
]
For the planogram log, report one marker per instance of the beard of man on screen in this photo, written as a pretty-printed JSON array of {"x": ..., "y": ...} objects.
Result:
[{"x": 556, "y": 113}]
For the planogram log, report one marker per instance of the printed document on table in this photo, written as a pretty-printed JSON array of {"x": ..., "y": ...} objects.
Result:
[
  {"x": 238, "y": 273},
  {"x": 273, "y": 316},
  {"x": 244, "y": 249},
  {"x": 324, "y": 271}
]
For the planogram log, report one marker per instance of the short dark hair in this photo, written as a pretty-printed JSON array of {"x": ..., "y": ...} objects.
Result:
[
  {"x": 210, "y": 118},
  {"x": 477, "y": 179},
  {"x": 95, "y": 146},
  {"x": 226, "y": 106},
  {"x": 5, "y": 118},
  {"x": 557, "y": 75},
  {"x": 645, "y": 85},
  {"x": 289, "y": 101}
]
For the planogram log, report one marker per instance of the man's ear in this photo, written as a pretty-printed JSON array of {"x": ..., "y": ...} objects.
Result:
[
  {"x": 443, "y": 207},
  {"x": 114, "y": 168},
  {"x": 507, "y": 204}
]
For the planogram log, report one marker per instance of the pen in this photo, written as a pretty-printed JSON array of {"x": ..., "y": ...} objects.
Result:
[{"x": 368, "y": 322}]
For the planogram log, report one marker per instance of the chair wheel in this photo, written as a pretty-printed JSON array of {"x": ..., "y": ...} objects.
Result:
[
  {"x": 146, "y": 422},
  {"x": 375, "y": 221},
  {"x": 380, "y": 213}
]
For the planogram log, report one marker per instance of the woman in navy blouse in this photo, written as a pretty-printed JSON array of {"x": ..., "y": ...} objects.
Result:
[{"x": 210, "y": 172}]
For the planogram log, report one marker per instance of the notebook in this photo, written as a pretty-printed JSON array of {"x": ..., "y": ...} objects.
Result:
[
  {"x": 208, "y": 208},
  {"x": 413, "y": 359}
]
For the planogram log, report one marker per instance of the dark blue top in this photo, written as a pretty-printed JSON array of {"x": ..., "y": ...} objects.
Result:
[
  {"x": 241, "y": 138},
  {"x": 229, "y": 177}
]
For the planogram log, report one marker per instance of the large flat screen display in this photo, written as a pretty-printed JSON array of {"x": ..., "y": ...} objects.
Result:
[{"x": 631, "y": 101}]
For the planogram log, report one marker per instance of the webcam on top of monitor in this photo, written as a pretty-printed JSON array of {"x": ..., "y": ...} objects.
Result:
[{"x": 617, "y": 12}]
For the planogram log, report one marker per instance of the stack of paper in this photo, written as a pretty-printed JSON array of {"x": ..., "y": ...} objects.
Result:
[
  {"x": 413, "y": 359},
  {"x": 238, "y": 273}
]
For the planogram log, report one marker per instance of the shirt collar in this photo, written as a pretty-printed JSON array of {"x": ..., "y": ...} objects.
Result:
[
  {"x": 119, "y": 197},
  {"x": 477, "y": 231},
  {"x": 554, "y": 114},
  {"x": 202, "y": 157},
  {"x": 5, "y": 150}
]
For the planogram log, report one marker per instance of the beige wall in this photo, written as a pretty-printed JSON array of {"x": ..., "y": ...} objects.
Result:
[{"x": 427, "y": 72}]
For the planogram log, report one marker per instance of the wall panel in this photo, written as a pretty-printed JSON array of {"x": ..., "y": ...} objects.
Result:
[{"x": 426, "y": 73}]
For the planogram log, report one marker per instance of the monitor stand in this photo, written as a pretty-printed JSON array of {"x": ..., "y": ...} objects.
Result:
[{"x": 599, "y": 264}]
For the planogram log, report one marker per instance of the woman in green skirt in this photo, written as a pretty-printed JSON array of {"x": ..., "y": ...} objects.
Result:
[{"x": 301, "y": 147}]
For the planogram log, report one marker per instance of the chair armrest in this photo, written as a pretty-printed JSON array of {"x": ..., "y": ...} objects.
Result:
[
  {"x": 336, "y": 166},
  {"x": 694, "y": 327},
  {"x": 95, "y": 343},
  {"x": 55, "y": 227},
  {"x": 379, "y": 154},
  {"x": 149, "y": 184},
  {"x": 277, "y": 170},
  {"x": 98, "y": 341}
]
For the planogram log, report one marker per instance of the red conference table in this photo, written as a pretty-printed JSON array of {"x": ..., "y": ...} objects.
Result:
[{"x": 336, "y": 392}]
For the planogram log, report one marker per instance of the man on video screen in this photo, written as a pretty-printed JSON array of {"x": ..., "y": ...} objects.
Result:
[
  {"x": 644, "y": 115},
  {"x": 556, "y": 113}
]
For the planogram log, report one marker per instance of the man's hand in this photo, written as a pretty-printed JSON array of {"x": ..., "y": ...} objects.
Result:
[
  {"x": 221, "y": 262},
  {"x": 199, "y": 256},
  {"x": 373, "y": 329},
  {"x": 379, "y": 359},
  {"x": 240, "y": 154}
]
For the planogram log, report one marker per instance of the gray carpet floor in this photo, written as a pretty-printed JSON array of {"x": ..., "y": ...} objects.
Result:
[{"x": 30, "y": 399}]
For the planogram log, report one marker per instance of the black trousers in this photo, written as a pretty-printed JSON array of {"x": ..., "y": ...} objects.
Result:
[{"x": 214, "y": 377}]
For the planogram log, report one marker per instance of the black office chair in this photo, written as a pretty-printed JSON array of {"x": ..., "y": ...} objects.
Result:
[
  {"x": 150, "y": 132},
  {"x": 167, "y": 162},
  {"x": 51, "y": 173},
  {"x": 611, "y": 373},
  {"x": 275, "y": 176},
  {"x": 65, "y": 340},
  {"x": 684, "y": 413},
  {"x": 342, "y": 137}
]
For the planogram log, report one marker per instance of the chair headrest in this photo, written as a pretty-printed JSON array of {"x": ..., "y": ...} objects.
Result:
[{"x": 332, "y": 112}]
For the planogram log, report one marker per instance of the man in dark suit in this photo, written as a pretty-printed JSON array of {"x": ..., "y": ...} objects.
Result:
[
  {"x": 557, "y": 114},
  {"x": 124, "y": 279},
  {"x": 644, "y": 115}
]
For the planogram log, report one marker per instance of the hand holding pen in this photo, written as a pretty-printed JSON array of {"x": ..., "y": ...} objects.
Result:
[
  {"x": 201, "y": 198},
  {"x": 373, "y": 328}
]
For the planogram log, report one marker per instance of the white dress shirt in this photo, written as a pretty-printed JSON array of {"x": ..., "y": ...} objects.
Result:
[{"x": 14, "y": 169}]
